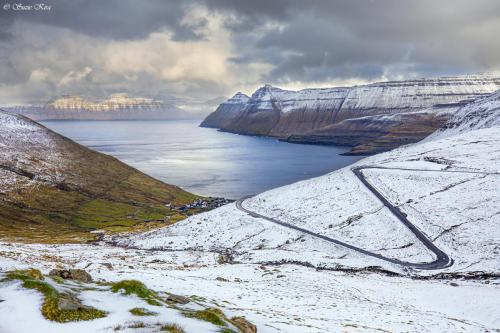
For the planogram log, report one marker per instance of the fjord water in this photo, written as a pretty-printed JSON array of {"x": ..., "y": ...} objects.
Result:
[{"x": 203, "y": 160}]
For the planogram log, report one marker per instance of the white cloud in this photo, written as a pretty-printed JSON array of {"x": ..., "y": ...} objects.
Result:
[
  {"x": 39, "y": 74},
  {"x": 156, "y": 65},
  {"x": 75, "y": 76}
]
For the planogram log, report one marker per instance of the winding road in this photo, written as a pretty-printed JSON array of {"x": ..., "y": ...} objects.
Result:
[{"x": 442, "y": 260}]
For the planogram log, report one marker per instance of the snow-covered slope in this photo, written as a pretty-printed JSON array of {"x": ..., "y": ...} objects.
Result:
[
  {"x": 482, "y": 113},
  {"x": 226, "y": 111},
  {"x": 308, "y": 115},
  {"x": 339, "y": 206},
  {"x": 286, "y": 281}
]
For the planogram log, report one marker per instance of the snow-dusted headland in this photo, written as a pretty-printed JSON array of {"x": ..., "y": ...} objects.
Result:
[
  {"x": 114, "y": 107},
  {"x": 284, "y": 280},
  {"x": 372, "y": 118}
]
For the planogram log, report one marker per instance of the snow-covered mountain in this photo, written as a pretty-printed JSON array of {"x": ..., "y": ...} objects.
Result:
[
  {"x": 426, "y": 181},
  {"x": 353, "y": 116},
  {"x": 285, "y": 279},
  {"x": 482, "y": 113},
  {"x": 227, "y": 111},
  {"x": 114, "y": 107}
]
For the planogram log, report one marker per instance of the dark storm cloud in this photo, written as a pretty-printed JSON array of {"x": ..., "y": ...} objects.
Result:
[
  {"x": 326, "y": 40},
  {"x": 115, "y": 19},
  {"x": 215, "y": 47}
]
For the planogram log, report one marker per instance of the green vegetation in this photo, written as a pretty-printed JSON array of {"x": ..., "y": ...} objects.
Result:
[
  {"x": 33, "y": 279},
  {"x": 25, "y": 275},
  {"x": 172, "y": 328},
  {"x": 64, "y": 306},
  {"x": 57, "y": 279},
  {"x": 134, "y": 287},
  {"x": 94, "y": 191},
  {"x": 142, "y": 312},
  {"x": 212, "y": 315}
]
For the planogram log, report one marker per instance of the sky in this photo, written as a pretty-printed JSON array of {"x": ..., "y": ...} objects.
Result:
[{"x": 197, "y": 50}]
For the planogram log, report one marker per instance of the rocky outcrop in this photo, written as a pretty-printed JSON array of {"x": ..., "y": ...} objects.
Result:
[
  {"x": 226, "y": 112},
  {"x": 72, "y": 274},
  {"x": 178, "y": 299},
  {"x": 378, "y": 116}
]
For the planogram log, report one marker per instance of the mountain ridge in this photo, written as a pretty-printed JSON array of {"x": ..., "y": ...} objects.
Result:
[
  {"x": 414, "y": 109},
  {"x": 118, "y": 106}
]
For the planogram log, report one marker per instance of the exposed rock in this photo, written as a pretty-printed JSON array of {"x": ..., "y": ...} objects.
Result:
[
  {"x": 243, "y": 325},
  {"x": 62, "y": 273},
  {"x": 226, "y": 112},
  {"x": 80, "y": 275},
  {"x": 178, "y": 299},
  {"x": 370, "y": 116},
  {"x": 72, "y": 274},
  {"x": 70, "y": 302},
  {"x": 116, "y": 106},
  {"x": 107, "y": 265}
]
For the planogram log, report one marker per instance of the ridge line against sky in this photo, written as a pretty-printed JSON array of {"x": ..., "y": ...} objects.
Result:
[{"x": 203, "y": 49}]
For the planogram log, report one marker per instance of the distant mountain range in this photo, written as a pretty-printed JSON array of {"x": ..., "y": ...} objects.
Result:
[
  {"x": 114, "y": 107},
  {"x": 371, "y": 118}
]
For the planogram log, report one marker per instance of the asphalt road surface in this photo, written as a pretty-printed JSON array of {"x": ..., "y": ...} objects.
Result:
[{"x": 442, "y": 260}]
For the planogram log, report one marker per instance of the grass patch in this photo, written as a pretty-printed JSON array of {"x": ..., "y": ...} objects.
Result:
[
  {"x": 101, "y": 213},
  {"x": 32, "y": 279},
  {"x": 172, "y": 328},
  {"x": 213, "y": 315},
  {"x": 97, "y": 191},
  {"x": 142, "y": 312},
  {"x": 134, "y": 287},
  {"x": 25, "y": 275},
  {"x": 57, "y": 279}
]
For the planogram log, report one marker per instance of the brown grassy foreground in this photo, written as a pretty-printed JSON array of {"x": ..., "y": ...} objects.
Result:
[{"x": 96, "y": 192}]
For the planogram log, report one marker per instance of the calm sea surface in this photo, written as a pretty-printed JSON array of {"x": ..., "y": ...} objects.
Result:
[{"x": 202, "y": 160}]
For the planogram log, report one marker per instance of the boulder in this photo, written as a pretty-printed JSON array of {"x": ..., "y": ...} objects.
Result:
[
  {"x": 70, "y": 302},
  {"x": 72, "y": 274},
  {"x": 80, "y": 275},
  {"x": 178, "y": 299},
  {"x": 62, "y": 273}
]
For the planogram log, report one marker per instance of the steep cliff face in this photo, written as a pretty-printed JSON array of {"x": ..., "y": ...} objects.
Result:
[
  {"x": 115, "y": 107},
  {"x": 226, "y": 112},
  {"x": 330, "y": 115}
]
